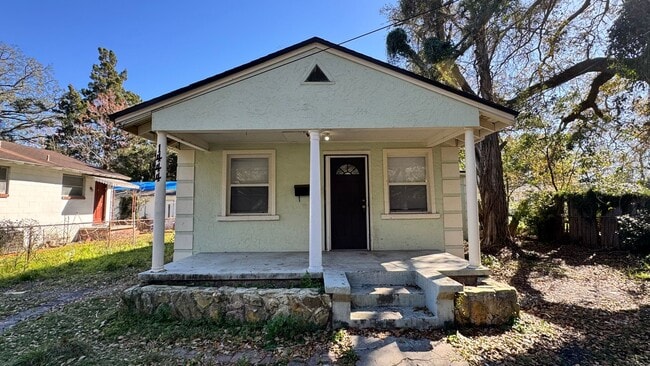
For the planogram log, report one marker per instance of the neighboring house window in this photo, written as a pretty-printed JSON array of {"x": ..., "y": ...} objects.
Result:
[
  {"x": 4, "y": 181},
  {"x": 72, "y": 186},
  {"x": 408, "y": 181},
  {"x": 250, "y": 183}
]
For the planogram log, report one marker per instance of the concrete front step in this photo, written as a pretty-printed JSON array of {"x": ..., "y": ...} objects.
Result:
[
  {"x": 392, "y": 317},
  {"x": 381, "y": 278},
  {"x": 378, "y": 295}
]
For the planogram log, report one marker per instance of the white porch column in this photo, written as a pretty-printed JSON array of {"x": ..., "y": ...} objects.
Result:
[
  {"x": 158, "y": 251},
  {"x": 315, "y": 205},
  {"x": 472, "y": 200}
]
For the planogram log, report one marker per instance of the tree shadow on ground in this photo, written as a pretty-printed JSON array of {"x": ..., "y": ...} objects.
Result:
[{"x": 593, "y": 334}]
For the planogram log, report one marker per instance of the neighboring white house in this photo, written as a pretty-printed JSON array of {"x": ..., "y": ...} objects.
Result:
[
  {"x": 53, "y": 189},
  {"x": 317, "y": 148},
  {"x": 145, "y": 193}
]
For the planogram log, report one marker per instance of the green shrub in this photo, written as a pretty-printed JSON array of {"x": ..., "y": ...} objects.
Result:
[
  {"x": 540, "y": 214},
  {"x": 634, "y": 231}
]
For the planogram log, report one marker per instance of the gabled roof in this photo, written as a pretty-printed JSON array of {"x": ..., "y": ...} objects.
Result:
[
  {"x": 328, "y": 45},
  {"x": 20, "y": 154}
]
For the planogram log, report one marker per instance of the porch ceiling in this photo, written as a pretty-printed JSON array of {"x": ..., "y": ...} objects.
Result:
[{"x": 426, "y": 136}]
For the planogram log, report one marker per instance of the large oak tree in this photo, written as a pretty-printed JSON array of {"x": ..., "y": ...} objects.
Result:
[{"x": 515, "y": 52}]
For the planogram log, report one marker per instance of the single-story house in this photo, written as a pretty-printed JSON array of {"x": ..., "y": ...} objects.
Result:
[
  {"x": 54, "y": 190},
  {"x": 317, "y": 148}
]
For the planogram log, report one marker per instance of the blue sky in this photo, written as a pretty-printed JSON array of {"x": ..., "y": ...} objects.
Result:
[{"x": 165, "y": 45}]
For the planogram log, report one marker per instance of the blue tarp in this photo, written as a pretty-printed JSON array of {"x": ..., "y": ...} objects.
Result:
[{"x": 149, "y": 187}]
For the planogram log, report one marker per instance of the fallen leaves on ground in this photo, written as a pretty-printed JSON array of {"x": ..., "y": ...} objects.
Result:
[{"x": 578, "y": 307}]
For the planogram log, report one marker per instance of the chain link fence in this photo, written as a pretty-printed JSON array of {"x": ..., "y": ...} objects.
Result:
[{"x": 24, "y": 236}]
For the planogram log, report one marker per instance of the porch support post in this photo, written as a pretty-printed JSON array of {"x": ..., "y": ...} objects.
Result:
[
  {"x": 472, "y": 200},
  {"x": 158, "y": 250},
  {"x": 315, "y": 216}
]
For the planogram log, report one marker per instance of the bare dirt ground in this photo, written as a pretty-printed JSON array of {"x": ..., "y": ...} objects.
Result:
[{"x": 578, "y": 307}]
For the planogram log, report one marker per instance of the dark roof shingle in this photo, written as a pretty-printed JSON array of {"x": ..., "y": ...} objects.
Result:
[{"x": 12, "y": 152}]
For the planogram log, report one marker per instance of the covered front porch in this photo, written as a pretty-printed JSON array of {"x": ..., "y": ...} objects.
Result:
[{"x": 293, "y": 265}]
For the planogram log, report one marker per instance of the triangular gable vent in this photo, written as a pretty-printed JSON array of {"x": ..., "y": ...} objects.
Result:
[{"x": 317, "y": 76}]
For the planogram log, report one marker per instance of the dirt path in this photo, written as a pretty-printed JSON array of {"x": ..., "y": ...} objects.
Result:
[
  {"x": 31, "y": 299},
  {"x": 64, "y": 299}
]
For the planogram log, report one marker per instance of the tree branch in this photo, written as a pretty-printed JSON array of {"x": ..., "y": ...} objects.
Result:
[
  {"x": 591, "y": 65},
  {"x": 590, "y": 100}
]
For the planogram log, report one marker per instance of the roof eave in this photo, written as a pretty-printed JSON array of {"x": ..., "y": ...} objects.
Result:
[{"x": 106, "y": 174}]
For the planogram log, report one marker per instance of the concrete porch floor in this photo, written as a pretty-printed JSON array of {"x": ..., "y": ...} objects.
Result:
[{"x": 293, "y": 265}]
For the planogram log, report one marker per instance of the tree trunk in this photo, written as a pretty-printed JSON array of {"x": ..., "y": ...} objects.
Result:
[
  {"x": 493, "y": 212},
  {"x": 493, "y": 209}
]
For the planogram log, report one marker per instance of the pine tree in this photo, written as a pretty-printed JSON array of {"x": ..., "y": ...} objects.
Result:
[{"x": 85, "y": 132}]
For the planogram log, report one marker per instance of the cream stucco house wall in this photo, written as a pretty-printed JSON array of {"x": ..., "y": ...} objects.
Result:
[{"x": 317, "y": 148}]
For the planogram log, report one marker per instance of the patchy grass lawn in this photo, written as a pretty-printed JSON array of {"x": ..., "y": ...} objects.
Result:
[
  {"x": 77, "y": 259},
  {"x": 82, "y": 283},
  {"x": 578, "y": 307},
  {"x": 54, "y": 275}
]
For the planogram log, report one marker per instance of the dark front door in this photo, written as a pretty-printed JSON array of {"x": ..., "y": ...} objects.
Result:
[
  {"x": 100, "y": 201},
  {"x": 348, "y": 206}
]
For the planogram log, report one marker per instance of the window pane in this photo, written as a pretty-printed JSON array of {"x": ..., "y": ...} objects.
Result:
[
  {"x": 249, "y": 170},
  {"x": 407, "y": 169},
  {"x": 73, "y": 180},
  {"x": 72, "y": 191},
  {"x": 3, "y": 180},
  {"x": 249, "y": 200},
  {"x": 408, "y": 198},
  {"x": 72, "y": 185}
]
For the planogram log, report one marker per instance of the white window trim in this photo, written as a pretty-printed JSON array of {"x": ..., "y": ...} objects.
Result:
[
  {"x": 225, "y": 195},
  {"x": 431, "y": 200},
  {"x": 7, "y": 172}
]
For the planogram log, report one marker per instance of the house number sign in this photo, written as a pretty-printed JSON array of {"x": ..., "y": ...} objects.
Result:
[{"x": 157, "y": 168}]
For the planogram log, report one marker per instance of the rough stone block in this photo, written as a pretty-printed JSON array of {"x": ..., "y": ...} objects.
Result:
[{"x": 488, "y": 303}]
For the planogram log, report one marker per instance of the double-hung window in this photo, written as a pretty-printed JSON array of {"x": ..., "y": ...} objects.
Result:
[
  {"x": 249, "y": 184},
  {"x": 4, "y": 181},
  {"x": 408, "y": 181},
  {"x": 72, "y": 186}
]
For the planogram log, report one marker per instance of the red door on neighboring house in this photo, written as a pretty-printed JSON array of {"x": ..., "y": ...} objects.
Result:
[{"x": 100, "y": 203}]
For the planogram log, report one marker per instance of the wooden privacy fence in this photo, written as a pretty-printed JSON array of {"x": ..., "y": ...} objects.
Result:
[{"x": 589, "y": 219}]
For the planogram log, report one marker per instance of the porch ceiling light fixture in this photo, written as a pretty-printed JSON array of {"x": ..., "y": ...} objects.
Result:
[{"x": 326, "y": 136}]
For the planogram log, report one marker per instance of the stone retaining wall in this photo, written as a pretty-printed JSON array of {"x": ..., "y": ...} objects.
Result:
[{"x": 245, "y": 304}]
